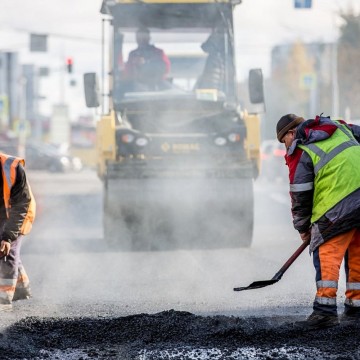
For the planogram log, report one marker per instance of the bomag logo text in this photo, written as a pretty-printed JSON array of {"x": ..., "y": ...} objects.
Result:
[
  {"x": 180, "y": 147},
  {"x": 185, "y": 147}
]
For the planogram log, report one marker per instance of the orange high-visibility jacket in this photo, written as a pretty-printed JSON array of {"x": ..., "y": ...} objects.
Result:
[{"x": 9, "y": 166}]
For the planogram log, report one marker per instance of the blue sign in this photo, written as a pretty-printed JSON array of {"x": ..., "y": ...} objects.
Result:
[{"x": 302, "y": 4}]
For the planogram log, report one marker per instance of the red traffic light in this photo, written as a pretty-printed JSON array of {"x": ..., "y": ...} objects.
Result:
[{"x": 69, "y": 65}]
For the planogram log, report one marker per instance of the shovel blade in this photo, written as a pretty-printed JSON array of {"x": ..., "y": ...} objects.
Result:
[{"x": 257, "y": 285}]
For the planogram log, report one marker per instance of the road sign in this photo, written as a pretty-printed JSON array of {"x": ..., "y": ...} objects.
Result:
[
  {"x": 22, "y": 127},
  {"x": 44, "y": 71},
  {"x": 307, "y": 81},
  {"x": 38, "y": 43},
  {"x": 302, "y": 4},
  {"x": 4, "y": 106}
]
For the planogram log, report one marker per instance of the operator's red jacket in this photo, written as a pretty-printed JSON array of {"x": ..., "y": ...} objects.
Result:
[
  {"x": 156, "y": 64},
  {"x": 345, "y": 215}
]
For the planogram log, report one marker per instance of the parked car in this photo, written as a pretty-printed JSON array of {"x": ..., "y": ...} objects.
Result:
[
  {"x": 45, "y": 157},
  {"x": 273, "y": 167},
  {"x": 8, "y": 148},
  {"x": 48, "y": 157}
]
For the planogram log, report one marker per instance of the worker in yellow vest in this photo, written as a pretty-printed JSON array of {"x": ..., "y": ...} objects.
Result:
[
  {"x": 324, "y": 174},
  {"x": 17, "y": 213}
]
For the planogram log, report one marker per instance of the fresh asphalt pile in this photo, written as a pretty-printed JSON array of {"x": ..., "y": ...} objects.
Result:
[{"x": 175, "y": 335}]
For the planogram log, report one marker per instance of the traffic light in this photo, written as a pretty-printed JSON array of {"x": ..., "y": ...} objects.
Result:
[{"x": 69, "y": 65}]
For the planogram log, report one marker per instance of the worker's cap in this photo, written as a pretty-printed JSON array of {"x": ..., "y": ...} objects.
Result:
[{"x": 286, "y": 123}]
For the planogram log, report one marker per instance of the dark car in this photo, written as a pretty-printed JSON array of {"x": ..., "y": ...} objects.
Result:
[
  {"x": 44, "y": 157},
  {"x": 8, "y": 148},
  {"x": 48, "y": 157},
  {"x": 273, "y": 167}
]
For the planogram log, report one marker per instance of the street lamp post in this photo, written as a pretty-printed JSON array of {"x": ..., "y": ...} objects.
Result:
[
  {"x": 22, "y": 119},
  {"x": 335, "y": 82}
]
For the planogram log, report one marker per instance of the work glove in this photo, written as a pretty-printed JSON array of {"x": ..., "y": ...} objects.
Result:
[
  {"x": 306, "y": 236},
  {"x": 5, "y": 248}
]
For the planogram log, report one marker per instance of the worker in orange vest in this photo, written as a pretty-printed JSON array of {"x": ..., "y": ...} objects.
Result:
[{"x": 17, "y": 213}]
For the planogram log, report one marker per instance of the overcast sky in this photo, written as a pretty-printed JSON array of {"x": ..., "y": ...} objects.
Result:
[{"x": 74, "y": 28}]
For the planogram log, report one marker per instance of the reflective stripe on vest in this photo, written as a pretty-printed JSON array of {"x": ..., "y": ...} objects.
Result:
[
  {"x": 9, "y": 165},
  {"x": 337, "y": 173}
]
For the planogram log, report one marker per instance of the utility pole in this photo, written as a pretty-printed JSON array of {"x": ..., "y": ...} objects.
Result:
[
  {"x": 22, "y": 118},
  {"x": 335, "y": 82}
]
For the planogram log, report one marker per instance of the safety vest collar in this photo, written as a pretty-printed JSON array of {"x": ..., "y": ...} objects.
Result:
[
  {"x": 9, "y": 165},
  {"x": 326, "y": 157}
]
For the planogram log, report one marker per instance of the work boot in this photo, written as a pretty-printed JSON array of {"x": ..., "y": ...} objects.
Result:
[
  {"x": 22, "y": 293},
  {"x": 5, "y": 305},
  {"x": 318, "y": 321},
  {"x": 350, "y": 315}
]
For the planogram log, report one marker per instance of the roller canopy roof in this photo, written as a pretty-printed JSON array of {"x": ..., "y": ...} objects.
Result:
[{"x": 169, "y": 14}]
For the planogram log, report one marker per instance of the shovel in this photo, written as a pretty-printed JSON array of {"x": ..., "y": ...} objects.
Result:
[{"x": 279, "y": 274}]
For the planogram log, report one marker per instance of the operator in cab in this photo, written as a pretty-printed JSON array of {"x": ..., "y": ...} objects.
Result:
[{"x": 148, "y": 66}]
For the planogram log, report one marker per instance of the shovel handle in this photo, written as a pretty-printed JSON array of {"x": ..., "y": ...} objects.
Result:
[{"x": 292, "y": 258}]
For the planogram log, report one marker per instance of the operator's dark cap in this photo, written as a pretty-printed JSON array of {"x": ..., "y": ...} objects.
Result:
[{"x": 286, "y": 123}]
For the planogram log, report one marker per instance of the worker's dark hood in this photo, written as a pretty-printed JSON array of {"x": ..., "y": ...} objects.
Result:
[{"x": 313, "y": 130}]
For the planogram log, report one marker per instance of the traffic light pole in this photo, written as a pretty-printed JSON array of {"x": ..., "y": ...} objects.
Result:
[{"x": 22, "y": 119}]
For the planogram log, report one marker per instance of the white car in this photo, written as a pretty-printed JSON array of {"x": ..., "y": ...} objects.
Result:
[{"x": 273, "y": 167}]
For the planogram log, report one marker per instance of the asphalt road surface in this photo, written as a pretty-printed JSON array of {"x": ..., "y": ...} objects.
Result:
[{"x": 90, "y": 302}]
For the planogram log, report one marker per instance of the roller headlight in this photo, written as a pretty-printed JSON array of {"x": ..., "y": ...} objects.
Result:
[
  {"x": 220, "y": 141},
  {"x": 141, "y": 141},
  {"x": 127, "y": 138},
  {"x": 233, "y": 137},
  {"x": 65, "y": 161}
]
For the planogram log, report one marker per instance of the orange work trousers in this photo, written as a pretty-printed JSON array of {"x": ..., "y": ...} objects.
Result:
[{"x": 327, "y": 261}]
